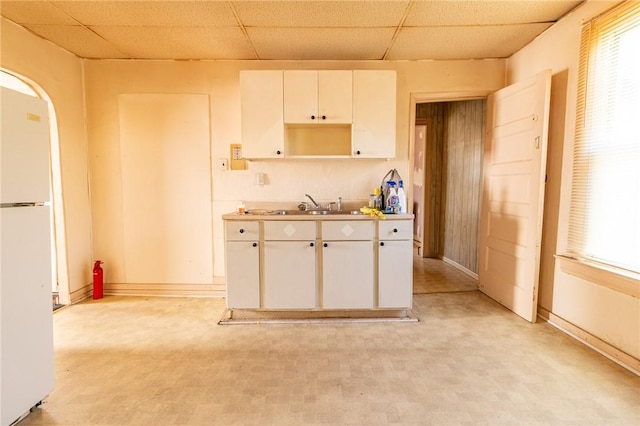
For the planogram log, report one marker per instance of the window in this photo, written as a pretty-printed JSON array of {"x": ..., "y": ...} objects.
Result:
[{"x": 604, "y": 222}]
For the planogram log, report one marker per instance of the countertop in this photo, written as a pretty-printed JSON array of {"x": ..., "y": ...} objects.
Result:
[{"x": 265, "y": 215}]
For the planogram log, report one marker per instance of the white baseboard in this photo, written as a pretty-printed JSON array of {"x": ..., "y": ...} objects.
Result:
[
  {"x": 185, "y": 290},
  {"x": 217, "y": 289},
  {"x": 460, "y": 268},
  {"x": 614, "y": 354}
]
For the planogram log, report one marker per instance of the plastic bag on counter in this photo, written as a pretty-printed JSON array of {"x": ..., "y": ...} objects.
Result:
[{"x": 391, "y": 176}]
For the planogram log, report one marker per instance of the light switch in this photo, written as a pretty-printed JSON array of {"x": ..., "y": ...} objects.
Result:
[{"x": 236, "y": 160}]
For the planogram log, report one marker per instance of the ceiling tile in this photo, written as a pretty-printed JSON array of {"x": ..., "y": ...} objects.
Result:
[
  {"x": 78, "y": 40},
  {"x": 321, "y": 43},
  {"x": 34, "y": 12},
  {"x": 470, "y": 42},
  {"x": 178, "y": 42},
  {"x": 288, "y": 30},
  {"x": 151, "y": 13},
  {"x": 460, "y": 13},
  {"x": 321, "y": 13}
]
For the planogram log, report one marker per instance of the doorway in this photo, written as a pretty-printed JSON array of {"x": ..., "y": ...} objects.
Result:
[
  {"x": 60, "y": 284},
  {"x": 447, "y": 160}
]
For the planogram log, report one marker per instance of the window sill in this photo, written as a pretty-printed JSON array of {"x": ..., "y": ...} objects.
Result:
[{"x": 615, "y": 279}]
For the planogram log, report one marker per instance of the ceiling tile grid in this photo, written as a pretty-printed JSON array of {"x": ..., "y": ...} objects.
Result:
[{"x": 288, "y": 30}]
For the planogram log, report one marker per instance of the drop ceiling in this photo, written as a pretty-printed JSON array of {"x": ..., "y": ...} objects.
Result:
[{"x": 288, "y": 30}]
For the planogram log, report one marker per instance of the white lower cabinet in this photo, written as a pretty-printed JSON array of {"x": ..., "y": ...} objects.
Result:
[
  {"x": 347, "y": 275},
  {"x": 319, "y": 264},
  {"x": 243, "y": 264},
  {"x": 290, "y": 265},
  {"x": 243, "y": 274},
  {"x": 347, "y": 265},
  {"x": 395, "y": 264}
]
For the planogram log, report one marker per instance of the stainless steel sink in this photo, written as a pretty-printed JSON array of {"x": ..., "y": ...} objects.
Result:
[{"x": 284, "y": 212}]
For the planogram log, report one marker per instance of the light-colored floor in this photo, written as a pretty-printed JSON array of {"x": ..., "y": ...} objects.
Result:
[{"x": 165, "y": 361}]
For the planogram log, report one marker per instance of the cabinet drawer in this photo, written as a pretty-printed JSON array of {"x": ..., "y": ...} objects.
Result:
[
  {"x": 289, "y": 231},
  {"x": 242, "y": 231},
  {"x": 347, "y": 230},
  {"x": 395, "y": 230}
]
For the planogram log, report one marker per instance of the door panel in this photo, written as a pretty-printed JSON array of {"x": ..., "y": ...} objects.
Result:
[
  {"x": 289, "y": 274},
  {"x": 347, "y": 271},
  {"x": 514, "y": 162}
]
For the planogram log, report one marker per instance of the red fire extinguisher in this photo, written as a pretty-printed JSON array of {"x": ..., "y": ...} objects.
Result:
[{"x": 98, "y": 285}]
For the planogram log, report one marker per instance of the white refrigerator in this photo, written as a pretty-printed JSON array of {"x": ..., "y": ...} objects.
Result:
[{"x": 26, "y": 319}]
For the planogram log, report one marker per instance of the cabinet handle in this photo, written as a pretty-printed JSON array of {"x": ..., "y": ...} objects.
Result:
[
  {"x": 255, "y": 244},
  {"x": 357, "y": 152},
  {"x": 395, "y": 230},
  {"x": 311, "y": 244},
  {"x": 241, "y": 231},
  {"x": 325, "y": 245},
  {"x": 313, "y": 117},
  {"x": 381, "y": 243},
  {"x": 278, "y": 152},
  {"x": 324, "y": 117}
]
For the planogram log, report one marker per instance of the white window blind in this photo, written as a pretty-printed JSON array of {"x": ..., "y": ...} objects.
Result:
[{"x": 605, "y": 202}]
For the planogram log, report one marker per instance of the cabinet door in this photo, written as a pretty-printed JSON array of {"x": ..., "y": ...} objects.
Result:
[
  {"x": 300, "y": 97},
  {"x": 395, "y": 274},
  {"x": 290, "y": 274},
  {"x": 395, "y": 230},
  {"x": 243, "y": 274},
  {"x": 374, "y": 114},
  {"x": 318, "y": 97},
  {"x": 261, "y": 97},
  {"x": 347, "y": 275},
  {"x": 335, "y": 96}
]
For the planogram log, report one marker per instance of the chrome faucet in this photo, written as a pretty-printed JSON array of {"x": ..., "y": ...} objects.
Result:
[
  {"x": 339, "y": 204},
  {"x": 313, "y": 201}
]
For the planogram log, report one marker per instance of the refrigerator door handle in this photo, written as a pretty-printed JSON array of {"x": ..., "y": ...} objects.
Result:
[{"x": 38, "y": 204}]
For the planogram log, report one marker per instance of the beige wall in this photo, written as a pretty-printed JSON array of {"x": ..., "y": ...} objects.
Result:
[
  {"x": 60, "y": 74},
  {"x": 286, "y": 181},
  {"x": 607, "y": 314}
]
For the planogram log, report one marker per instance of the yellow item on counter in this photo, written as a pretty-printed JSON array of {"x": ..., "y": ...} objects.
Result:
[{"x": 372, "y": 212}]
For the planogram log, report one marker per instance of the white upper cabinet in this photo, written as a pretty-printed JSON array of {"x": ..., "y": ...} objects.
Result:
[
  {"x": 318, "y": 114},
  {"x": 335, "y": 96},
  {"x": 261, "y": 97},
  {"x": 317, "y": 97},
  {"x": 374, "y": 114}
]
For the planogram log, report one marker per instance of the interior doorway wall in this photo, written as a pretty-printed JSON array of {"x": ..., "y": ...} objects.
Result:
[{"x": 447, "y": 202}]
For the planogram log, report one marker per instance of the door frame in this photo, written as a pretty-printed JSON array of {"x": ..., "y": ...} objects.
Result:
[{"x": 432, "y": 97}]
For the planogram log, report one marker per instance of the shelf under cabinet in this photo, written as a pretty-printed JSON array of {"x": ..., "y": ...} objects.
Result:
[{"x": 317, "y": 140}]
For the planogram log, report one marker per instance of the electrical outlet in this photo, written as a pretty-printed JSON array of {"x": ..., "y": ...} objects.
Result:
[
  {"x": 223, "y": 164},
  {"x": 259, "y": 178}
]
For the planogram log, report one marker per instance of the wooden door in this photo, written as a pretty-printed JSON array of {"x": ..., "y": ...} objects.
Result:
[
  {"x": 514, "y": 162},
  {"x": 419, "y": 185}
]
